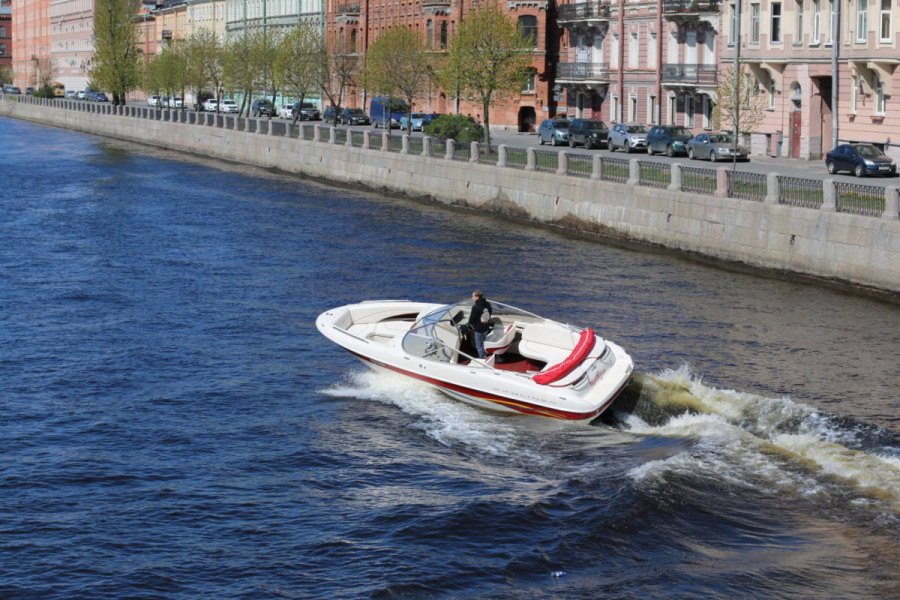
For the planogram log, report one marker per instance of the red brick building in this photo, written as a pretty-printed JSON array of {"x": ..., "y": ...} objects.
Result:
[
  {"x": 5, "y": 33},
  {"x": 352, "y": 26}
]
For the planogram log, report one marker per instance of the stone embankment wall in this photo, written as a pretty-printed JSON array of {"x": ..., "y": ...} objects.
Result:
[{"x": 816, "y": 243}]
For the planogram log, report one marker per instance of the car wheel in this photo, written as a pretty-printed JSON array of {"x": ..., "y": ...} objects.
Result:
[
  {"x": 670, "y": 151},
  {"x": 650, "y": 151},
  {"x": 626, "y": 147},
  {"x": 829, "y": 166},
  {"x": 571, "y": 143},
  {"x": 691, "y": 153},
  {"x": 858, "y": 171},
  {"x": 541, "y": 139},
  {"x": 588, "y": 144},
  {"x": 713, "y": 157}
]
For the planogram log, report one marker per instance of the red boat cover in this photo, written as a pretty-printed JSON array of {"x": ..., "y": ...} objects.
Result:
[{"x": 558, "y": 371}]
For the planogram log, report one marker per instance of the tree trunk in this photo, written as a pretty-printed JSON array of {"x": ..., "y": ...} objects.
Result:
[{"x": 486, "y": 103}]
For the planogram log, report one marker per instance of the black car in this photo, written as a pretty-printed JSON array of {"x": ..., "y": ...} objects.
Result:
[
  {"x": 307, "y": 110},
  {"x": 354, "y": 116},
  {"x": 860, "y": 159},
  {"x": 668, "y": 139},
  {"x": 591, "y": 133},
  {"x": 262, "y": 108}
]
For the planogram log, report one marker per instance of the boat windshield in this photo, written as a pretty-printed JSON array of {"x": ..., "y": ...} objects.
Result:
[{"x": 436, "y": 335}]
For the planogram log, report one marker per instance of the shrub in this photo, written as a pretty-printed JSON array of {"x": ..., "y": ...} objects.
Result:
[{"x": 459, "y": 128}]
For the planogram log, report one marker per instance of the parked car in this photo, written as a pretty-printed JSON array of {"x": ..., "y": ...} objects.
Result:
[
  {"x": 354, "y": 116},
  {"x": 628, "y": 137},
  {"x": 384, "y": 110},
  {"x": 228, "y": 106},
  {"x": 329, "y": 114},
  {"x": 70, "y": 94},
  {"x": 262, "y": 107},
  {"x": 590, "y": 133},
  {"x": 716, "y": 146},
  {"x": 307, "y": 110},
  {"x": 81, "y": 94},
  {"x": 668, "y": 139},
  {"x": 860, "y": 159},
  {"x": 11, "y": 89},
  {"x": 285, "y": 109},
  {"x": 29, "y": 91},
  {"x": 418, "y": 120},
  {"x": 153, "y": 100},
  {"x": 174, "y": 102},
  {"x": 210, "y": 105},
  {"x": 553, "y": 132},
  {"x": 96, "y": 97}
]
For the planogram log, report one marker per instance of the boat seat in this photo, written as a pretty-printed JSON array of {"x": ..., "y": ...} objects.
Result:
[
  {"x": 381, "y": 331},
  {"x": 549, "y": 344},
  {"x": 499, "y": 340}
]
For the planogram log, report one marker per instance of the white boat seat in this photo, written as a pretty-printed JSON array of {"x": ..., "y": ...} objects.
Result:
[
  {"x": 499, "y": 340},
  {"x": 547, "y": 343}
]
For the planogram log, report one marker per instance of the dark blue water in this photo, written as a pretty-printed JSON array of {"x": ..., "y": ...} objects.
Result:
[{"x": 172, "y": 426}]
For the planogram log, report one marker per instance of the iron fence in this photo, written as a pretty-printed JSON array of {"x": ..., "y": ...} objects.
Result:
[
  {"x": 795, "y": 191},
  {"x": 654, "y": 173},
  {"x": 357, "y": 138},
  {"x": 438, "y": 148},
  {"x": 579, "y": 165},
  {"x": 698, "y": 180},
  {"x": 488, "y": 155},
  {"x": 395, "y": 143},
  {"x": 615, "y": 169},
  {"x": 516, "y": 158},
  {"x": 462, "y": 151},
  {"x": 748, "y": 186},
  {"x": 859, "y": 199},
  {"x": 416, "y": 145},
  {"x": 546, "y": 160},
  {"x": 340, "y": 136}
]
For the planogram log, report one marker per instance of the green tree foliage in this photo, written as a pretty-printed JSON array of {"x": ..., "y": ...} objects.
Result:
[
  {"x": 459, "y": 128},
  {"x": 397, "y": 67},
  {"x": 116, "y": 62},
  {"x": 297, "y": 62},
  {"x": 487, "y": 58},
  {"x": 738, "y": 100},
  {"x": 6, "y": 75},
  {"x": 247, "y": 63}
]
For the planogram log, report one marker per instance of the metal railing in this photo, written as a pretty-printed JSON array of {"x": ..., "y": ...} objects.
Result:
[
  {"x": 357, "y": 138},
  {"x": 488, "y": 155},
  {"x": 340, "y": 136},
  {"x": 654, "y": 173},
  {"x": 859, "y": 199},
  {"x": 462, "y": 151},
  {"x": 748, "y": 186},
  {"x": 690, "y": 73},
  {"x": 516, "y": 158},
  {"x": 438, "y": 148},
  {"x": 795, "y": 191},
  {"x": 582, "y": 71},
  {"x": 546, "y": 161},
  {"x": 579, "y": 165},
  {"x": 689, "y": 6},
  {"x": 615, "y": 169},
  {"x": 416, "y": 145},
  {"x": 698, "y": 180},
  {"x": 583, "y": 10}
]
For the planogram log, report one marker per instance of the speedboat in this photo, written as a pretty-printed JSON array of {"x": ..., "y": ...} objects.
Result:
[{"x": 534, "y": 365}]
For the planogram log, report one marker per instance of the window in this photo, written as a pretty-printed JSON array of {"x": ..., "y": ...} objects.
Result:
[
  {"x": 798, "y": 23},
  {"x": 2, "y": 49},
  {"x": 734, "y": 24},
  {"x": 886, "y": 29},
  {"x": 652, "y": 109},
  {"x": 353, "y": 41},
  {"x": 614, "y": 107},
  {"x": 614, "y": 52},
  {"x": 652, "y": 50},
  {"x": 429, "y": 34},
  {"x": 816, "y": 22},
  {"x": 776, "y": 23},
  {"x": 633, "y": 51},
  {"x": 444, "y": 35},
  {"x": 771, "y": 93},
  {"x": 3, "y": 32},
  {"x": 673, "y": 104},
  {"x": 831, "y": 19},
  {"x": 754, "y": 23},
  {"x": 528, "y": 26},
  {"x": 862, "y": 20},
  {"x": 689, "y": 111},
  {"x": 879, "y": 97},
  {"x": 529, "y": 85},
  {"x": 854, "y": 92},
  {"x": 632, "y": 109}
]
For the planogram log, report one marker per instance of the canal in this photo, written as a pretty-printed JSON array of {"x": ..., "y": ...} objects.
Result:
[{"x": 173, "y": 426}]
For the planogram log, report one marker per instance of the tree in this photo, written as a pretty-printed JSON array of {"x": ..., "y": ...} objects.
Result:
[
  {"x": 488, "y": 57},
  {"x": 116, "y": 62},
  {"x": 206, "y": 55},
  {"x": 296, "y": 63},
  {"x": 738, "y": 101},
  {"x": 248, "y": 64},
  {"x": 195, "y": 52},
  {"x": 333, "y": 74},
  {"x": 397, "y": 67},
  {"x": 6, "y": 75}
]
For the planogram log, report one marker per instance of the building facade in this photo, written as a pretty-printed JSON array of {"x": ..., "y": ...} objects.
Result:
[
  {"x": 31, "y": 44},
  {"x": 827, "y": 69},
  {"x": 5, "y": 34},
  {"x": 241, "y": 15},
  {"x": 351, "y": 27},
  {"x": 71, "y": 44}
]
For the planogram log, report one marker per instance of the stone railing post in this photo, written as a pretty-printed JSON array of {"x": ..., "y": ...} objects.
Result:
[
  {"x": 287, "y": 129},
  {"x": 451, "y": 148},
  {"x": 348, "y": 141},
  {"x": 404, "y": 144},
  {"x": 891, "y": 203},
  {"x": 386, "y": 140},
  {"x": 773, "y": 189},
  {"x": 502, "y": 155},
  {"x": 829, "y": 196},
  {"x": 530, "y": 159},
  {"x": 721, "y": 182},
  {"x": 236, "y": 123},
  {"x": 562, "y": 162},
  {"x": 247, "y": 122},
  {"x": 597, "y": 167},
  {"x": 332, "y": 135},
  {"x": 271, "y": 128},
  {"x": 317, "y": 133},
  {"x": 426, "y": 146},
  {"x": 367, "y": 139},
  {"x": 676, "y": 178},
  {"x": 474, "y": 152},
  {"x": 634, "y": 171}
]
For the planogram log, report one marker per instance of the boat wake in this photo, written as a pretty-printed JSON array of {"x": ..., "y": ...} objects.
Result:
[{"x": 772, "y": 444}]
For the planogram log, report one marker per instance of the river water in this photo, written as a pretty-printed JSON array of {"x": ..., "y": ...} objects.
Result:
[{"x": 172, "y": 426}]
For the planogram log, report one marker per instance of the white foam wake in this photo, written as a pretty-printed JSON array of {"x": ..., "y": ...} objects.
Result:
[{"x": 748, "y": 439}]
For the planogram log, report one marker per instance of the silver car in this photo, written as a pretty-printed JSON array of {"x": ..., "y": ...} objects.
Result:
[
  {"x": 628, "y": 137},
  {"x": 716, "y": 146},
  {"x": 554, "y": 132}
]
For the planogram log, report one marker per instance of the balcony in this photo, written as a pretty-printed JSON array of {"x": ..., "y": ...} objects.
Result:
[
  {"x": 689, "y": 74},
  {"x": 598, "y": 10},
  {"x": 582, "y": 72},
  {"x": 674, "y": 7},
  {"x": 436, "y": 7},
  {"x": 347, "y": 13}
]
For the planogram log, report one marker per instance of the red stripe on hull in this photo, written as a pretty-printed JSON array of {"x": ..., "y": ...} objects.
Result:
[{"x": 517, "y": 405}]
